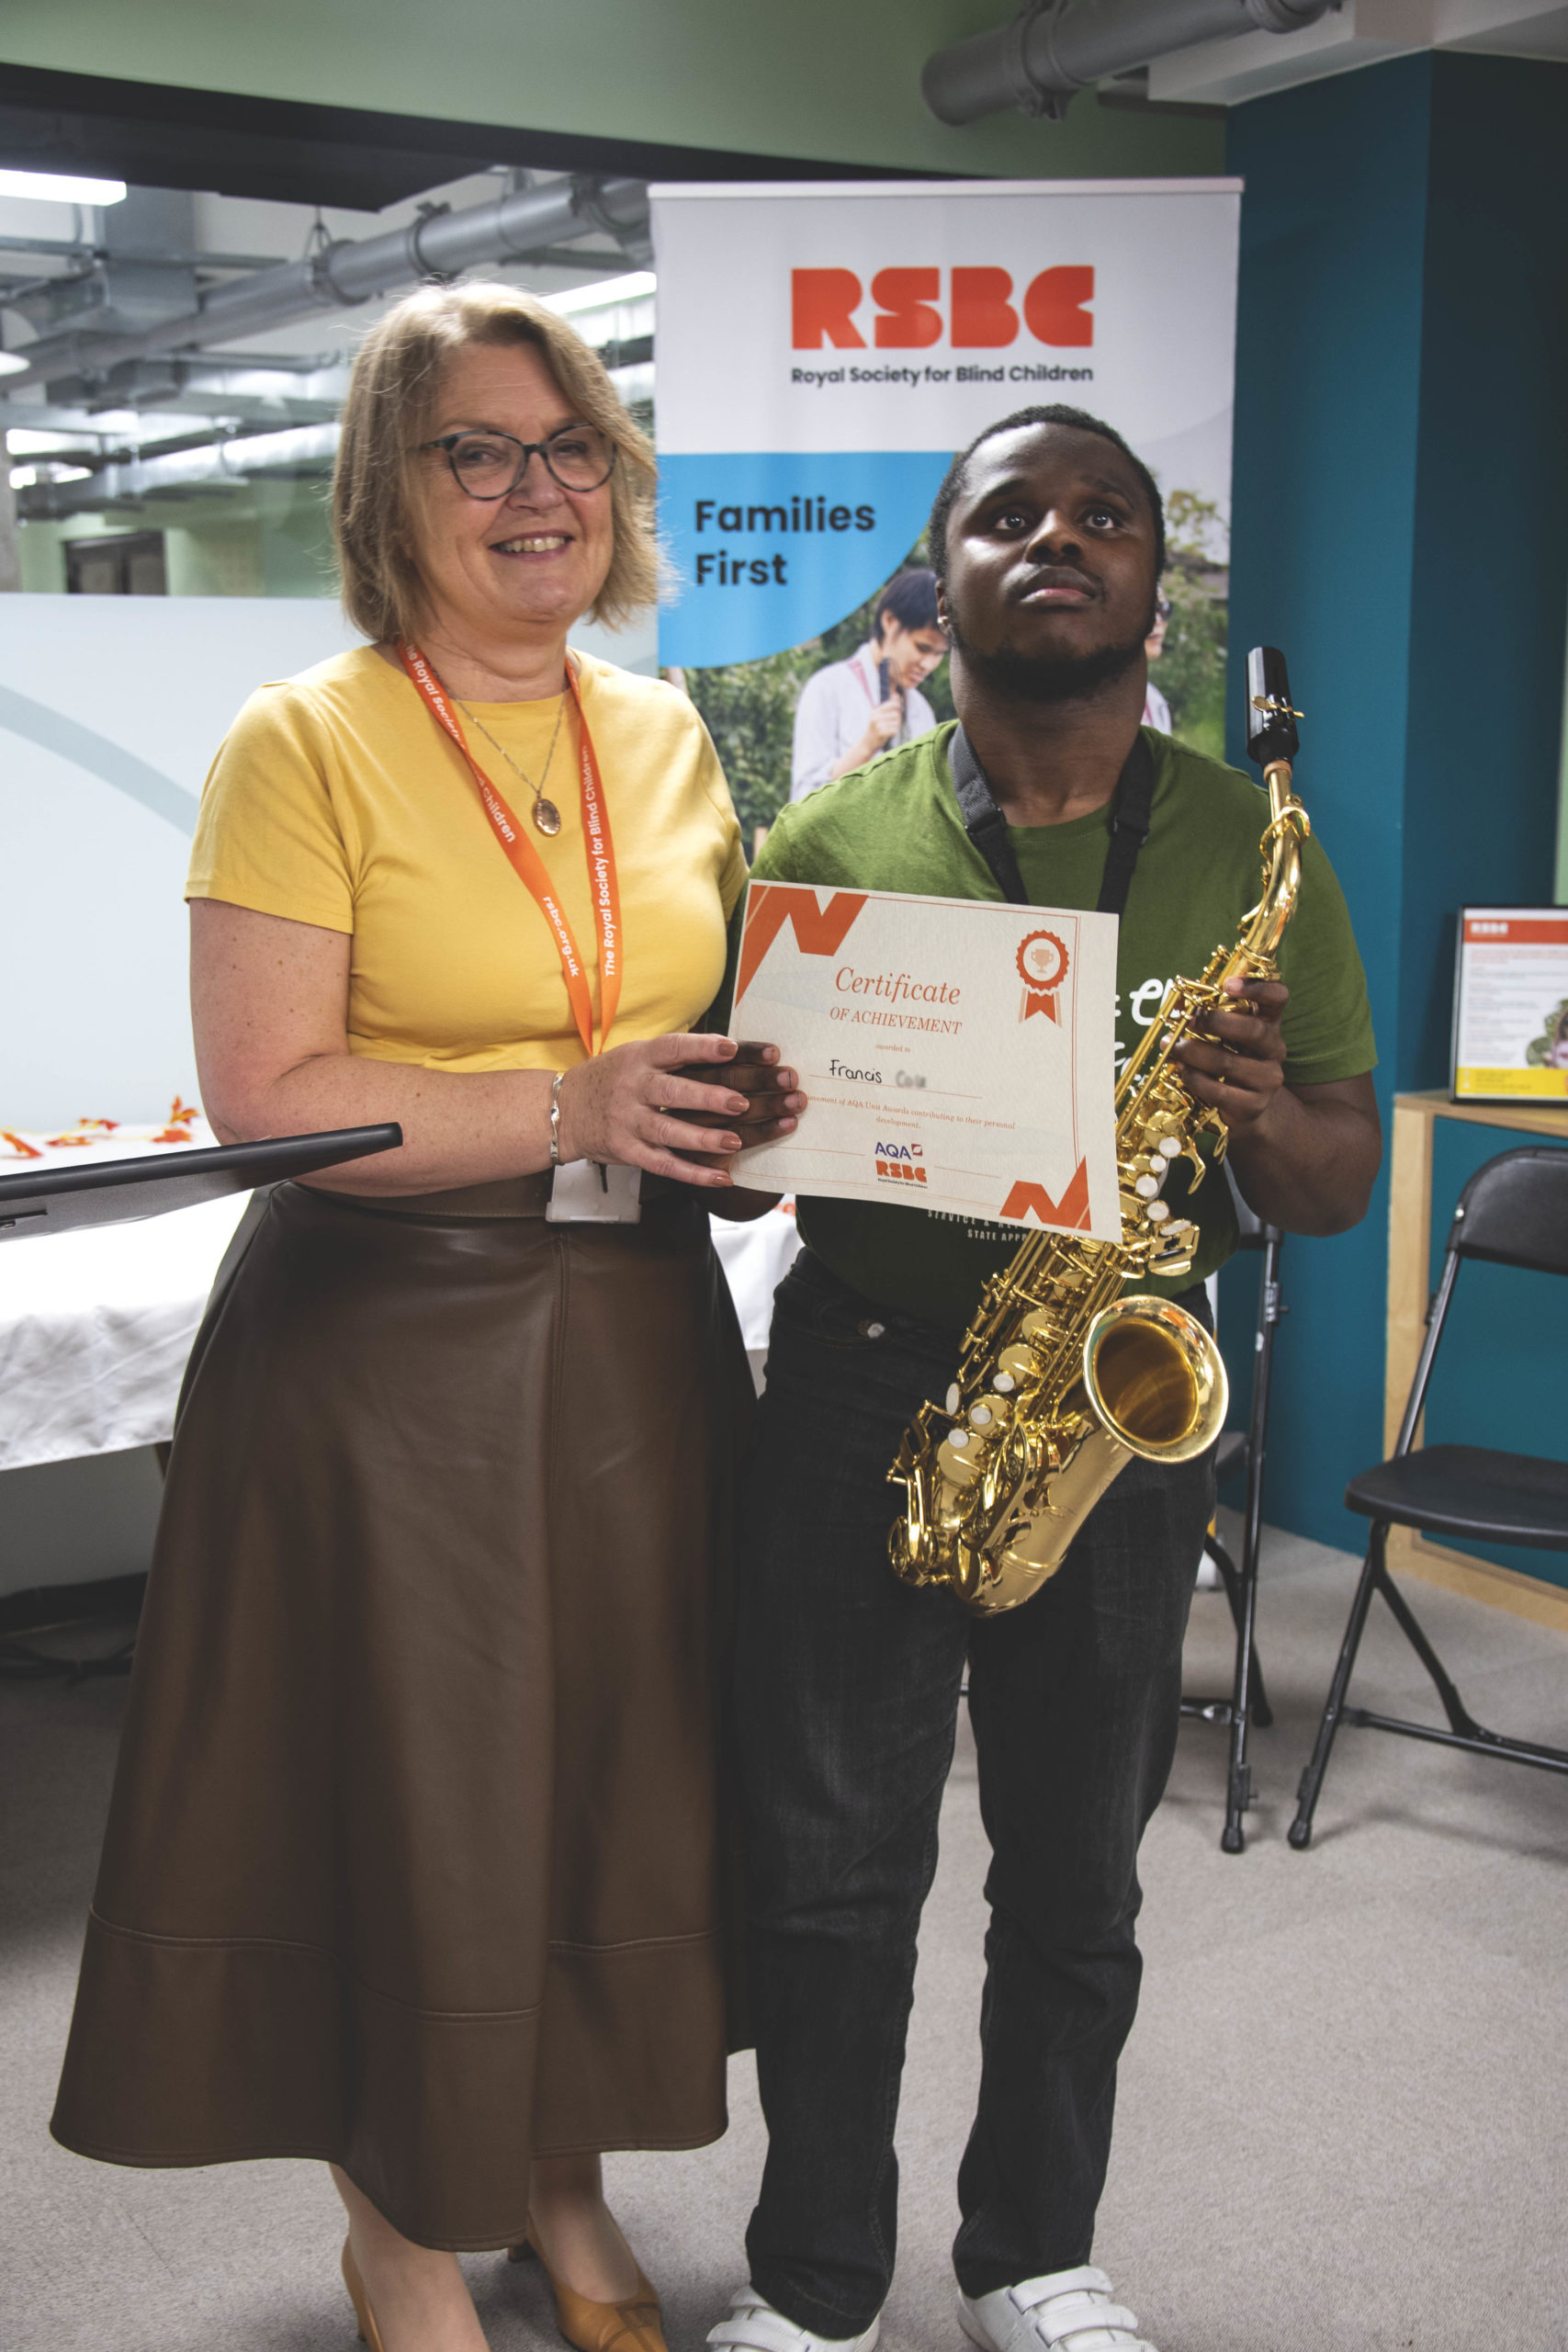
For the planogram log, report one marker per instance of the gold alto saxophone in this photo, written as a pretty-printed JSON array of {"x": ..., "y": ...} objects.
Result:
[{"x": 1063, "y": 1375}]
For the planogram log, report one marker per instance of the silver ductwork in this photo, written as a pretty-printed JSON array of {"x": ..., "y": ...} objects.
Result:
[
  {"x": 438, "y": 244},
  {"x": 307, "y": 451},
  {"x": 1053, "y": 48}
]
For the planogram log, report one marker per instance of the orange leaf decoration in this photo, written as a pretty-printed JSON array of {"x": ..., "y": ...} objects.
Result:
[{"x": 20, "y": 1147}]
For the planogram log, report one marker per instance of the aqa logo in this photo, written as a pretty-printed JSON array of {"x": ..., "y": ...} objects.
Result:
[
  {"x": 981, "y": 313},
  {"x": 898, "y": 1162}
]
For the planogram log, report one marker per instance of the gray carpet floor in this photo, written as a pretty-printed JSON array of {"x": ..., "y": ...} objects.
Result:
[{"x": 1344, "y": 2112}]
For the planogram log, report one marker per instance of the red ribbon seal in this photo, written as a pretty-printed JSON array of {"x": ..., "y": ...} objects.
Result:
[{"x": 1043, "y": 962}]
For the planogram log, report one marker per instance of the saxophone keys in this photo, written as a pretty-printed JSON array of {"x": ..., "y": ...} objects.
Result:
[
  {"x": 990, "y": 1416},
  {"x": 959, "y": 1461},
  {"x": 1015, "y": 1365}
]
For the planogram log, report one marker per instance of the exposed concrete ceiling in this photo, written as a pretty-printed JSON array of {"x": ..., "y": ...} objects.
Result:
[
  {"x": 1360, "y": 33},
  {"x": 193, "y": 421}
]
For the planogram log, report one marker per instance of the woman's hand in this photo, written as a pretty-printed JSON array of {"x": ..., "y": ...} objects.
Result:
[
  {"x": 1244, "y": 1074},
  {"x": 774, "y": 1107},
  {"x": 679, "y": 1106},
  {"x": 773, "y": 1104}
]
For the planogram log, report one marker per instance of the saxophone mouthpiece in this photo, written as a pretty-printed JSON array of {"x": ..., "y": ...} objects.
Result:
[{"x": 1270, "y": 719}]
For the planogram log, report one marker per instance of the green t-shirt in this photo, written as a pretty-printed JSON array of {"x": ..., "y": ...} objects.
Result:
[{"x": 894, "y": 825}]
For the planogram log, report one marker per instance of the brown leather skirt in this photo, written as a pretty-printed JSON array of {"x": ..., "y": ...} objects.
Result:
[{"x": 415, "y": 1859}]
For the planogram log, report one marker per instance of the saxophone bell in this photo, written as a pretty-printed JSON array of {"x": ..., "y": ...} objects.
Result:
[
  {"x": 1155, "y": 1378},
  {"x": 1152, "y": 1384}
]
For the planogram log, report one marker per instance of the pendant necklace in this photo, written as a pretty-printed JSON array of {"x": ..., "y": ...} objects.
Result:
[{"x": 544, "y": 813}]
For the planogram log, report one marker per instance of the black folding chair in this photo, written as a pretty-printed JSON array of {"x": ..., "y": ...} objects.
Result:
[
  {"x": 1513, "y": 1211},
  {"x": 1245, "y": 1450}
]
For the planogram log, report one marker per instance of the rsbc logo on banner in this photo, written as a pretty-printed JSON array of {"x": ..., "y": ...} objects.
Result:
[{"x": 981, "y": 313}]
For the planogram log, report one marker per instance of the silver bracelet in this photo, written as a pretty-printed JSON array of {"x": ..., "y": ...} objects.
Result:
[{"x": 555, "y": 1118}]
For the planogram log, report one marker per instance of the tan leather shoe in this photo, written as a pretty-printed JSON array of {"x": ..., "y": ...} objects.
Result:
[
  {"x": 635, "y": 2326},
  {"x": 368, "y": 2332}
]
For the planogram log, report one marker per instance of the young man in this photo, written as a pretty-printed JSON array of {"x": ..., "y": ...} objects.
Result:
[
  {"x": 851, "y": 710},
  {"x": 1047, "y": 541}
]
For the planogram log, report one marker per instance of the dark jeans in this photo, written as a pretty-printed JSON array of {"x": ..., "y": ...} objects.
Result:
[{"x": 849, "y": 1695}]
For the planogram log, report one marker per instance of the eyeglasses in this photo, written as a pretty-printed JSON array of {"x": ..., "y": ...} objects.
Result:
[
  {"x": 1163, "y": 607},
  {"x": 491, "y": 465}
]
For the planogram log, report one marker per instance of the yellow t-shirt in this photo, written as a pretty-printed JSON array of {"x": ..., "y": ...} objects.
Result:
[{"x": 337, "y": 801}]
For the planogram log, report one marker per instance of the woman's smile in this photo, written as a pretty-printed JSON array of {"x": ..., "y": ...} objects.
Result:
[{"x": 532, "y": 543}]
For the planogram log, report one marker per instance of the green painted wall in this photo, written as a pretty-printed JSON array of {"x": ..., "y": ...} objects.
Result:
[
  {"x": 274, "y": 539},
  {"x": 814, "y": 78}
]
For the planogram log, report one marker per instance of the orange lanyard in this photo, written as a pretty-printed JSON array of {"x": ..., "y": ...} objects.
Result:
[{"x": 530, "y": 866}]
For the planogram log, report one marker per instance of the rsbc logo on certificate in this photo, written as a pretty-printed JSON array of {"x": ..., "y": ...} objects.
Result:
[{"x": 955, "y": 1054}]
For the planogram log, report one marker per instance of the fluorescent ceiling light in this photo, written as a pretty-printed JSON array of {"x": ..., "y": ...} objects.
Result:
[
  {"x": 12, "y": 362},
  {"x": 630, "y": 289},
  {"x": 61, "y": 187}
]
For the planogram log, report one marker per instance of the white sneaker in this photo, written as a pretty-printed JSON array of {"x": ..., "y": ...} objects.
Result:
[
  {"x": 1071, "y": 2310},
  {"x": 754, "y": 2325}
]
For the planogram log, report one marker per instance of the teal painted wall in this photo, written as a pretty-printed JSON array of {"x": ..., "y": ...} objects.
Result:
[
  {"x": 1489, "y": 607},
  {"x": 1401, "y": 498}
]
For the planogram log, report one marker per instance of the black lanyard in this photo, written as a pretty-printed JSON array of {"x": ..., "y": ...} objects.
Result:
[{"x": 988, "y": 828}]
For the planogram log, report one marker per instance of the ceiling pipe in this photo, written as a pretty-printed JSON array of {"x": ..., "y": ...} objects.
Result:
[
  {"x": 438, "y": 244},
  {"x": 305, "y": 450},
  {"x": 1051, "y": 48}
]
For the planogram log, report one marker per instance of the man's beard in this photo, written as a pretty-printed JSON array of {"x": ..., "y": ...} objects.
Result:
[{"x": 1046, "y": 677}]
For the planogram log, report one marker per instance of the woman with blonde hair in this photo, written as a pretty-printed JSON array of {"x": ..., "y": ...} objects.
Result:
[{"x": 415, "y": 1859}]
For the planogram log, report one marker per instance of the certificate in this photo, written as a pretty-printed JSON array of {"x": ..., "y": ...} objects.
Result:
[
  {"x": 956, "y": 1054},
  {"x": 1510, "y": 1037}
]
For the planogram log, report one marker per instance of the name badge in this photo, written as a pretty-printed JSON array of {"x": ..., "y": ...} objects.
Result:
[{"x": 593, "y": 1192}]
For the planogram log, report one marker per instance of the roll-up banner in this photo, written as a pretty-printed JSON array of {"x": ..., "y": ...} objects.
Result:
[{"x": 823, "y": 349}]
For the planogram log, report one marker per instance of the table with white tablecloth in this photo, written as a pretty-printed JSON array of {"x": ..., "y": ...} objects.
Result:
[{"x": 96, "y": 1326}]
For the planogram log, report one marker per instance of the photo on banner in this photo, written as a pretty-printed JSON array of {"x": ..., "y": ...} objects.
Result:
[{"x": 824, "y": 350}]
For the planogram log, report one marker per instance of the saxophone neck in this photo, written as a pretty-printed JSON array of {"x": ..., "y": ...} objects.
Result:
[
  {"x": 1282, "y": 801},
  {"x": 1253, "y": 955}
]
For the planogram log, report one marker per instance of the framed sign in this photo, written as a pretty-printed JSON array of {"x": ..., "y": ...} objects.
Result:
[{"x": 1510, "y": 1034}]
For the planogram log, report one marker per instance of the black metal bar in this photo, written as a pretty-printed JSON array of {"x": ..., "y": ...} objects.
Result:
[
  {"x": 1300, "y": 1831},
  {"x": 1461, "y": 1722},
  {"x": 1242, "y": 1588},
  {"x": 1270, "y": 1314},
  {"x": 1484, "y": 1743},
  {"x": 1248, "y": 1701},
  {"x": 1247, "y": 1707},
  {"x": 1230, "y": 1575},
  {"x": 1233, "y": 1713},
  {"x": 1436, "y": 1316}
]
